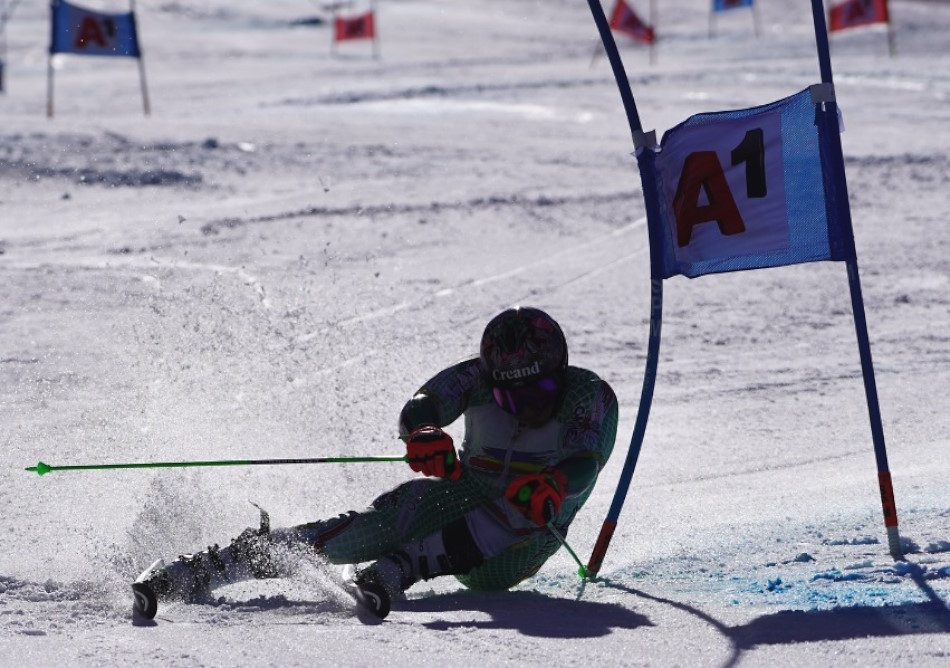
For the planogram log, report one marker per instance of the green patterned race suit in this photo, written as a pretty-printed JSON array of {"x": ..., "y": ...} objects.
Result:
[{"x": 495, "y": 449}]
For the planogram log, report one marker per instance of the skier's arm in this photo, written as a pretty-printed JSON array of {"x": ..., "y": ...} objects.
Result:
[
  {"x": 431, "y": 451},
  {"x": 581, "y": 474},
  {"x": 441, "y": 400},
  {"x": 420, "y": 411},
  {"x": 588, "y": 453}
]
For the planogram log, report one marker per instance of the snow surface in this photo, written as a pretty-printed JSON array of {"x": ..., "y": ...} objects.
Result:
[{"x": 273, "y": 260}]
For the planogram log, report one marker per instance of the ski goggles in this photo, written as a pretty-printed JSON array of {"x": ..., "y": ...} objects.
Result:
[{"x": 538, "y": 395}]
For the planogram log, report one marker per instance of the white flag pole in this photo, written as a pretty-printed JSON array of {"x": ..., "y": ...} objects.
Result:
[
  {"x": 654, "y": 28},
  {"x": 372, "y": 8},
  {"x": 146, "y": 108},
  {"x": 49, "y": 60},
  {"x": 3, "y": 41}
]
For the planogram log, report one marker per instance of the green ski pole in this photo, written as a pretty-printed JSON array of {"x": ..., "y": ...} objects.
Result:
[
  {"x": 43, "y": 468},
  {"x": 581, "y": 571}
]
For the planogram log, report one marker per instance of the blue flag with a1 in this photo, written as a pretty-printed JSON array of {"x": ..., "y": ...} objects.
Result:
[
  {"x": 746, "y": 189},
  {"x": 84, "y": 31}
]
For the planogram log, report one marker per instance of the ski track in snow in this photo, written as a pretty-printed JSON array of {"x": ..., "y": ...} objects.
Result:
[{"x": 459, "y": 290}]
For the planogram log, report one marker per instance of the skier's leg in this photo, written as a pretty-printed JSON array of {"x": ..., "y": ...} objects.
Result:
[
  {"x": 447, "y": 551},
  {"x": 481, "y": 549},
  {"x": 515, "y": 553},
  {"x": 455, "y": 549},
  {"x": 521, "y": 558},
  {"x": 413, "y": 509},
  {"x": 191, "y": 577},
  {"x": 410, "y": 512},
  {"x": 508, "y": 568}
]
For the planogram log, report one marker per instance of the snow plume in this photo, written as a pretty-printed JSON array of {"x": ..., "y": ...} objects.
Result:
[
  {"x": 176, "y": 517},
  {"x": 180, "y": 514}
]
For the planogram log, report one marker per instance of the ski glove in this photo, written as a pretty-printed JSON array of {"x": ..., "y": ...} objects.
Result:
[
  {"x": 538, "y": 496},
  {"x": 431, "y": 451}
]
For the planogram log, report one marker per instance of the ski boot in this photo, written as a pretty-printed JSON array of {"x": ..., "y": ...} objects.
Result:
[
  {"x": 371, "y": 596},
  {"x": 192, "y": 577},
  {"x": 375, "y": 587},
  {"x": 144, "y": 602},
  {"x": 186, "y": 579}
]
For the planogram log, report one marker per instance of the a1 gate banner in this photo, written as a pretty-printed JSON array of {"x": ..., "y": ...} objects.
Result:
[
  {"x": 85, "y": 32},
  {"x": 744, "y": 190}
]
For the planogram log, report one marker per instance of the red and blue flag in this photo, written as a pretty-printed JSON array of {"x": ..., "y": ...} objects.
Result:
[{"x": 83, "y": 31}]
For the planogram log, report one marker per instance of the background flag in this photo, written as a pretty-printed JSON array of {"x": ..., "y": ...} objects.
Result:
[
  {"x": 624, "y": 19},
  {"x": 855, "y": 13},
  {"x": 744, "y": 190},
  {"x": 355, "y": 27},
  {"x": 723, "y": 5},
  {"x": 86, "y": 32}
]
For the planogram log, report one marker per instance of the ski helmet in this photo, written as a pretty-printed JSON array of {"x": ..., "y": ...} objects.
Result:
[{"x": 523, "y": 356}]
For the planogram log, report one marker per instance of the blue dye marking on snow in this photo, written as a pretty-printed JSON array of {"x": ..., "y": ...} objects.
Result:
[
  {"x": 776, "y": 585},
  {"x": 837, "y": 576}
]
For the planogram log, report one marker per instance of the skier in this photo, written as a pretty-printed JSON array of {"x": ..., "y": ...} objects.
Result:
[{"x": 537, "y": 433}]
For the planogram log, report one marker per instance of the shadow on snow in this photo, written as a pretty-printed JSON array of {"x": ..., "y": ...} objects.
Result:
[
  {"x": 800, "y": 626},
  {"x": 529, "y": 613}
]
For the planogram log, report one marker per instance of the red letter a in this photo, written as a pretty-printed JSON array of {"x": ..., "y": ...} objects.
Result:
[
  {"x": 90, "y": 31},
  {"x": 702, "y": 171}
]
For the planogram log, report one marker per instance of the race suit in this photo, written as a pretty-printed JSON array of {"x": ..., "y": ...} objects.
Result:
[{"x": 489, "y": 542}]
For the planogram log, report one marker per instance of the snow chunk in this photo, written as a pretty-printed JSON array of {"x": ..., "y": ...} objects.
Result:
[
  {"x": 863, "y": 540},
  {"x": 939, "y": 546}
]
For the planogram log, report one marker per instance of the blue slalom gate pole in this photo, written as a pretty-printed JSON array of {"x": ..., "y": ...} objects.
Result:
[
  {"x": 610, "y": 48},
  {"x": 656, "y": 305},
  {"x": 837, "y": 209},
  {"x": 843, "y": 214}
]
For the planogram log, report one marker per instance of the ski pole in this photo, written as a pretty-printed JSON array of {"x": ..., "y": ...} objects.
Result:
[
  {"x": 581, "y": 571},
  {"x": 42, "y": 468}
]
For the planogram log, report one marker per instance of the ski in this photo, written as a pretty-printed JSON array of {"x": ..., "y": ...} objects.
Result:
[
  {"x": 370, "y": 596},
  {"x": 144, "y": 602}
]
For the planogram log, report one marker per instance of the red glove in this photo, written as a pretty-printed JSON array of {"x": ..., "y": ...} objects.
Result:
[
  {"x": 432, "y": 452},
  {"x": 538, "y": 495}
]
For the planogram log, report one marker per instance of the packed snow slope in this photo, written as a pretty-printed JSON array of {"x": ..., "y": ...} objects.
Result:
[{"x": 271, "y": 262}]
